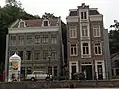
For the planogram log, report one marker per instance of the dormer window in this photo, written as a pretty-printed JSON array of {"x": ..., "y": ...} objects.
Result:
[
  {"x": 83, "y": 15},
  {"x": 45, "y": 23},
  {"x": 21, "y": 24}
]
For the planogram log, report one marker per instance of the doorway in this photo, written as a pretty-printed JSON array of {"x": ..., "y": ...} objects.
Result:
[
  {"x": 73, "y": 68},
  {"x": 87, "y": 70},
  {"x": 100, "y": 73}
]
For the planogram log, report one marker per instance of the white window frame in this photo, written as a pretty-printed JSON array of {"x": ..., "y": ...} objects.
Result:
[
  {"x": 83, "y": 10},
  {"x": 21, "y": 41},
  {"x": 97, "y": 48},
  {"x": 84, "y": 31},
  {"x": 89, "y": 47},
  {"x": 37, "y": 39},
  {"x": 94, "y": 28},
  {"x": 53, "y": 39},
  {"x": 20, "y": 23},
  {"x": 72, "y": 32},
  {"x": 83, "y": 18},
  {"x": 73, "y": 50},
  {"x": 12, "y": 40},
  {"x": 88, "y": 32},
  {"x": 43, "y": 23}
]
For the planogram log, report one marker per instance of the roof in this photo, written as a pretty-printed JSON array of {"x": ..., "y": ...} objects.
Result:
[
  {"x": 91, "y": 12},
  {"x": 15, "y": 57},
  {"x": 35, "y": 22},
  {"x": 114, "y": 55},
  {"x": 73, "y": 13}
]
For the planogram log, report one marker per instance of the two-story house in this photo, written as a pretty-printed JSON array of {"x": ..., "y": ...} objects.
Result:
[
  {"x": 39, "y": 44},
  {"x": 86, "y": 48}
]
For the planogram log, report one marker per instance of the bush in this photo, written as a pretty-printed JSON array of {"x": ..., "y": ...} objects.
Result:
[{"x": 79, "y": 76}]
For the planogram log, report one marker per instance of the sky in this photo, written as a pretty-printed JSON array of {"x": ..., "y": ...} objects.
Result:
[{"x": 109, "y": 8}]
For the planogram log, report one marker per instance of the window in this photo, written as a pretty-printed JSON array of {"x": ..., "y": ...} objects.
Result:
[
  {"x": 98, "y": 48},
  {"x": 55, "y": 70},
  {"x": 96, "y": 30},
  {"x": 85, "y": 48},
  {"x": 20, "y": 53},
  {"x": 45, "y": 39},
  {"x": 83, "y": 15},
  {"x": 23, "y": 72},
  {"x": 45, "y": 54},
  {"x": 12, "y": 53},
  {"x": 37, "y": 55},
  {"x": 73, "y": 49},
  {"x": 45, "y": 23},
  {"x": 29, "y": 71},
  {"x": 28, "y": 55},
  {"x": 21, "y": 40},
  {"x": 49, "y": 70},
  {"x": 53, "y": 39},
  {"x": 53, "y": 55},
  {"x": 37, "y": 39},
  {"x": 84, "y": 31},
  {"x": 13, "y": 40},
  {"x": 21, "y": 24},
  {"x": 73, "y": 33},
  {"x": 29, "y": 39}
]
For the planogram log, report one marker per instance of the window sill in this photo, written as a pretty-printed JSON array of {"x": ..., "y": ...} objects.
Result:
[
  {"x": 74, "y": 55},
  {"x": 98, "y": 54}
]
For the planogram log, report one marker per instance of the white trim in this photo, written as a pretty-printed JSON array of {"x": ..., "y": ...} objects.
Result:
[
  {"x": 103, "y": 68},
  {"x": 83, "y": 10},
  {"x": 14, "y": 23},
  {"x": 89, "y": 46},
  {"x": 72, "y": 18},
  {"x": 74, "y": 31},
  {"x": 88, "y": 30},
  {"x": 31, "y": 30},
  {"x": 76, "y": 50},
  {"x": 70, "y": 67},
  {"x": 43, "y": 22},
  {"x": 20, "y": 23},
  {"x": 96, "y": 17},
  {"x": 96, "y": 30},
  {"x": 86, "y": 63},
  {"x": 100, "y": 48}
]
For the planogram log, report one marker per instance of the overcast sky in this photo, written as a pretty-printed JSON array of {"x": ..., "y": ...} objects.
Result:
[{"x": 109, "y": 8}]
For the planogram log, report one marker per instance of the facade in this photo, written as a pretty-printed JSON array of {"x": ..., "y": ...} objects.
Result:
[
  {"x": 39, "y": 44},
  {"x": 86, "y": 49},
  {"x": 115, "y": 65}
]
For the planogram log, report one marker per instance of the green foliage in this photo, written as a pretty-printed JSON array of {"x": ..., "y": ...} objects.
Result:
[
  {"x": 48, "y": 15},
  {"x": 11, "y": 12},
  {"x": 114, "y": 37}
]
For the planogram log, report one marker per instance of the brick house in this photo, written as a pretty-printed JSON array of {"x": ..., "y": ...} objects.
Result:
[{"x": 87, "y": 50}]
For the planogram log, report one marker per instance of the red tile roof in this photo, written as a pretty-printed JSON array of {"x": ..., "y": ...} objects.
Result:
[{"x": 37, "y": 22}]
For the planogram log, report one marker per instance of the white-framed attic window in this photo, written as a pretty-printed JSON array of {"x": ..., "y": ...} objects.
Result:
[
  {"x": 21, "y": 24},
  {"x": 45, "y": 22}
]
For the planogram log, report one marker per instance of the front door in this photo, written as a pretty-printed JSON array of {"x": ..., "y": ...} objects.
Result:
[
  {"x": 100, "y": 73},
  {"x": 87, "y": 70},
  {"x": 73, "y": 70}
]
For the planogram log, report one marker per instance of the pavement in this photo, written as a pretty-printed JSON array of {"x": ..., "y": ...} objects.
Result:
[{"x": 85, "y": 88}]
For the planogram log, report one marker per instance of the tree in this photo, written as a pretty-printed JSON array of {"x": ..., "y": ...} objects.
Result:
[
  {"x": 114, "y": 37},
  {"x": 9, "y": 14},
  {"x": 48, "y": 15}
]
